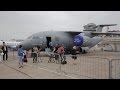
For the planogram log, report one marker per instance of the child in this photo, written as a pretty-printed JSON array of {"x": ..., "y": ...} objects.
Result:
[{"x": 24, "y": 57}]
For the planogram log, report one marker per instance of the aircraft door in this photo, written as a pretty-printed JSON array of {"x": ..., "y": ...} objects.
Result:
[{"x": 48, "y": 40}]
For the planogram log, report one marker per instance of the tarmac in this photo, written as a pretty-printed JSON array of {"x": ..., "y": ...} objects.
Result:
[
  {"x": 43, "y": 70},
  {"x": 9, "y": 70}
]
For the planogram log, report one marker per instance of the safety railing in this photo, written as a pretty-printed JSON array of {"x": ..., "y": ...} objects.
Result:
[
  {"x": 85, "y": 66},
  {"x": 115, "y": 68},
  {"x": 44, "y": 61}
]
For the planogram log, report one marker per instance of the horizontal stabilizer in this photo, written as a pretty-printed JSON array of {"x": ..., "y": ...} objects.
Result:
[
  {"x": 107, "y": 25},
  {"x": 106, "y": 33},
  {"x": 100, "y": 27}
]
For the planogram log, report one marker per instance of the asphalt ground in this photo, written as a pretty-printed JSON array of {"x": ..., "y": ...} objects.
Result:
[{"x": 43, "y": 70}]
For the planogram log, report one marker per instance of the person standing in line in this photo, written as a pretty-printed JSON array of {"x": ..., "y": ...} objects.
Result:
[
  {"x": 39, "y": 52},
  {"x": 73, "y": 52},
  {"x": 51, "y": 45},
  {"x": 61, "y": 51},
  {"x": 55, "y": 51},
  {"x": 24, "y": 56},
  {"x": 5, "y": 51},
  {"x": 20, "y": 55},
  {"x": 65, "y": 52},
  {"x": 35, "y": 54}
]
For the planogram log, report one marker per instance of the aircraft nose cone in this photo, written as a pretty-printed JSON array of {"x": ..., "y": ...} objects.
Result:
[
  {"x": 19, "y": 44},
  {"x": 27, "y": 44},
  {"x": 78, "y": 40}
]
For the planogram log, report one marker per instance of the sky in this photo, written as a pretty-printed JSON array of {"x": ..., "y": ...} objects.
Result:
[{"x": 21, "y": 24}]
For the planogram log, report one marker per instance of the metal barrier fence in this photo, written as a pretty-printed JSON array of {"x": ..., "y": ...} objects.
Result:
[
  {"x": 11, "y": 55},
  {"x": 86, "y": 66},
  {"x": 115, "y": 68},
  {"x": 89, "y": 67}
]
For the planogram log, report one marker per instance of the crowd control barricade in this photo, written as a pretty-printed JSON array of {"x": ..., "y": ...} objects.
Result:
[
  {"x": 87, "y": 67},
  {"x": 115, "y": 69}
]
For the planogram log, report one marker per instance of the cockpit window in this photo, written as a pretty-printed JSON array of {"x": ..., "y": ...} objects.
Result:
[{"x": 33, "y": 37}]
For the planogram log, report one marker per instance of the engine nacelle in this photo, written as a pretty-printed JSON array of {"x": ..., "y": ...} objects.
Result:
[{"x": 80, "y": 40}]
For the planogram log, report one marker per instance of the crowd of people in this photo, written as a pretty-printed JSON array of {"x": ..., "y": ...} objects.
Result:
[{"x": 58, "y": 50}]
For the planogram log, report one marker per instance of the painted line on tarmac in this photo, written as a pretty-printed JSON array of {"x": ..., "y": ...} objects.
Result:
[
  {"x": 51, "y": 71},
  {"x": 17, "y": 70},
  {"x": 47, "y": 71}
]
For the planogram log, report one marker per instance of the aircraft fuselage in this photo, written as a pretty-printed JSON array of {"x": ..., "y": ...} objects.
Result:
[{"x": 43, "y": 38}]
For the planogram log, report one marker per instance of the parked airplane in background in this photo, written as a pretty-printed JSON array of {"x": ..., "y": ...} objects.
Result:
[
  {"x": 10, "y": 44},
  {"x": 84, "y": 40}
]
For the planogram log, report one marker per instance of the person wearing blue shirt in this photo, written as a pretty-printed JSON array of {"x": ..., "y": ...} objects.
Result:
[{"x": 20, "y": 55}]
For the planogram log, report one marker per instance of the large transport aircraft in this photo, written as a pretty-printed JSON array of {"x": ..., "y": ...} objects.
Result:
[{"x": 85, "y": 40}]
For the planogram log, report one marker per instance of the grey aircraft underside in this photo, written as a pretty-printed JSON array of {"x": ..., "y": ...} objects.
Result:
[{"x": 85, "y": 40}]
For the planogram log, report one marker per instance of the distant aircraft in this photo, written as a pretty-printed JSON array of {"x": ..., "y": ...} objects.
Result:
[
  {"x": 84, "y": 40},
  {"x": 10, "y": 44}
]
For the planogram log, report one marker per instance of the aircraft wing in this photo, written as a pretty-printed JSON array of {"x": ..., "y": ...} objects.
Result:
[
  {"x": 105, "y": 33},
  {"x": 73, "y": 32}
]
